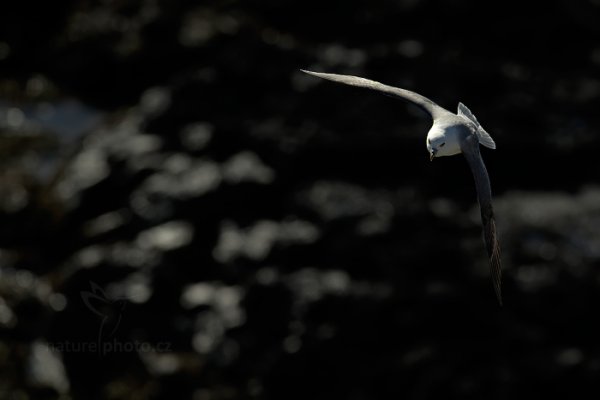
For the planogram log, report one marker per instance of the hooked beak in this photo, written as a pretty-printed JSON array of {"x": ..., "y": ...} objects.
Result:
[{"x": 431, "y": 155}]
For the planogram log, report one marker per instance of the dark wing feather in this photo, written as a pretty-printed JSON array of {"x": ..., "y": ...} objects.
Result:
[
  {"x": 470, "y": 149},
  {"x": 423, "y": 102}
]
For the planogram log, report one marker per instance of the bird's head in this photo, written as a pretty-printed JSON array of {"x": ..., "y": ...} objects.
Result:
[
  {"x": 435, "y": 146},
  {"x": 443, "y": 141}
]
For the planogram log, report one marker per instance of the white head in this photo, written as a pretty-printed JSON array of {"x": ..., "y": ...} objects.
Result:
[{"x": 442, "y": 141}]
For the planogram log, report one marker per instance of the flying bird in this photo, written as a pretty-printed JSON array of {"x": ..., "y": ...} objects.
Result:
[{"x": 450, "y": 134}]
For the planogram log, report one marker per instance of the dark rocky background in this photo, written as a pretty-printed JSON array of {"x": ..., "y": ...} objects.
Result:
[{"x": 184, "y": 215}]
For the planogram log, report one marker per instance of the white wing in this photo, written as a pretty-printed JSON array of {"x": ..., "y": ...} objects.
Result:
[{"x": 423, "y": 102}]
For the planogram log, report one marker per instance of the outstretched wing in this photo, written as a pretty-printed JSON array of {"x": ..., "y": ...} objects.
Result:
[
  {"x": 423, "y": 102},
  {"x": 470, "y": 149}
]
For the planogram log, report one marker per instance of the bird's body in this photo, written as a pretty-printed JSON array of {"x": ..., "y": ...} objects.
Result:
[
  {"x": 449, "y": 135},
  {"x": 445, "y": 137}
]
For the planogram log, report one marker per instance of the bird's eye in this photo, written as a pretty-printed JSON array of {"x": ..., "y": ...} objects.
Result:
[{"x": 442, "y": 145}]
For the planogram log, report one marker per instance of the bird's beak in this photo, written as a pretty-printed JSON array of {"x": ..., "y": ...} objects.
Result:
[{"x": 431, "y": 155}]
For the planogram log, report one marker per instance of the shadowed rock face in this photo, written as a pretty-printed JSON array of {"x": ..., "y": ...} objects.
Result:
[{"x": 256, "y": 233}]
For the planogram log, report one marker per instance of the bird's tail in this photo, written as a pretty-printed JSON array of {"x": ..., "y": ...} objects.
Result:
[{"x": 484, "y": 138}]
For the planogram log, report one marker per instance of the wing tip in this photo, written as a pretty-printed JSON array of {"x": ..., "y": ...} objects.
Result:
[
  {"x": 497, "y": 273},
  {"x": 497, "y": 282},
  {"x": 499, "y": 297},
  {"x": 311, "y": 72}
]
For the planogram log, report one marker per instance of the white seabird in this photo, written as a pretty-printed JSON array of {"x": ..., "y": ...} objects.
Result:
[{"x": 450, "y": 134}]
